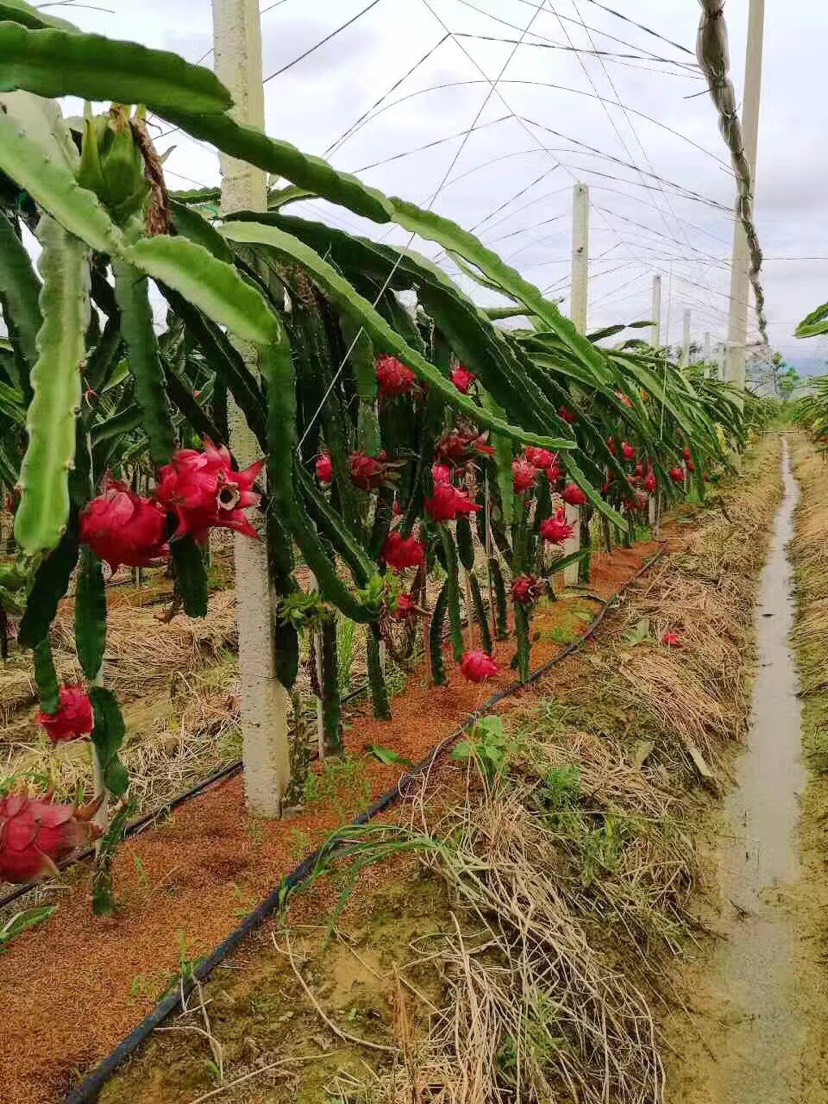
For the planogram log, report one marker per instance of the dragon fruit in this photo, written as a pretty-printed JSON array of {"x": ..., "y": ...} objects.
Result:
[
  {"x": 73, "y": 719},
  {"x": 478, "y": 667},
  {"x": 573, "y": 495},
  {"x": 527, "y": 590},
  {"x": 394, "y": 378},
  {"x": 463, "y": 379},
  {"x": 556, "y": 530},
  {"x": 35, "y": 834},
  {"x": 524, "y": 475}
]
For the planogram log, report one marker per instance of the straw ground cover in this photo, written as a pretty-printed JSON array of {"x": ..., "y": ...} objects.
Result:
[
  {"x": 177, "y": 681},
  {"x": 539, "y": 891}
]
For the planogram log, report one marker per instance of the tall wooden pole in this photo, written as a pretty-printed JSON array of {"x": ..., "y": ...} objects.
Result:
[
  {"x": 264, "y": 701},
  {"x": 740, "y": 270}
]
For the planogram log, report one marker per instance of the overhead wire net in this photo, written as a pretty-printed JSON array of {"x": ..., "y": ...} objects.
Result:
[{"x": 494, "y": 109}]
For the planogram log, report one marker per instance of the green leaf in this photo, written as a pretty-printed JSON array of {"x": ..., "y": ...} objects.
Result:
[
  {"x": 46, "y": 680},
  {"x": 90, "y": 614},
  {"x": 19, "y": 289},
  {"x": 18, "y": 11},
  {"x": 504, "y": 455},
  {"x": 53, "y": 187},
  {"x": 43, "y": 123},
  {"x": 51, "y": 583},
  {"x": 388, "y": 756},
  {"x": 611, "y": 331},
  {"x": 278, "y": 198},
  {"x": 56, "y": 382},
  {"x": 453, "y": 596},
  {"x": 277, "y": 371},
  {"x": 52, "y": 62},
  {"x": 815, "y": 324},
  {"x": 281, "y": 158},
  {"x": 132, "y": 295},
  {"x": 108, "y": 738},
  {"x": 453, "y": 238},
  {"x": 116, "y": 425},
  {"x": 563, "y": 562},
  {"x": 209, "y": 284},
  {"x": 196, "y": 228},
  {"x": 23, "y": 921},
  {"x": 384, "y": 337},
  {"x": 190, "y": 576},
  {"x": 224, "y": 360}
]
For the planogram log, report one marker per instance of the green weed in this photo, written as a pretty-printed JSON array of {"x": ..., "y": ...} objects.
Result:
[
  {"x": 342, "y": 784},
  {"x": 488, "y": 745}
]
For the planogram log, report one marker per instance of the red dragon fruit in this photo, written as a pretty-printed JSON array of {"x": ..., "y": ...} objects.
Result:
[
  {"x": 556, "y": 530},
  {"x": 463, "y": 379},
  {"x": 566, "y": 415},
  {"x": 36, "y": 834},
  {"x": 573, "y": 495},
  {"x": 121, "y": 527},
  {"x": 478, "y": 667},
  {"x": 524, "y": 475},
  {"x": 404, "y": 608},
  {"x": 324, "y": 468},
  {"x": 541, "y": 458},
  {"x": 74, "y": 718},
  {"x": 527, "y": 590},
  {"x": 394, "y": 378},
  {"x": 400, "y": 552},
  {"x": 459, "y": 448},
  {"x": 371, "y": 472},
  {"x": 448, "y": 503},
  {"x": 207, "y": 493},
  {"x": 677, "y": 475}
]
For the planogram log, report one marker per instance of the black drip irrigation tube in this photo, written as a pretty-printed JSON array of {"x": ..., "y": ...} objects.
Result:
[{"x": 87, "y": 1092}]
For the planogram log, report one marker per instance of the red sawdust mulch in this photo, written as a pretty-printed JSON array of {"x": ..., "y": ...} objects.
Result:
[{"x": 73, "y": 988}]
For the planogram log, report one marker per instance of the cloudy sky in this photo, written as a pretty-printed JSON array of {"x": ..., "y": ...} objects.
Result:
[{"x": 581, "y": 95}]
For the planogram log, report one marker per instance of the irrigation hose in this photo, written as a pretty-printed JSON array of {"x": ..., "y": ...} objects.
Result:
[{"x": 87, "y": 1091}]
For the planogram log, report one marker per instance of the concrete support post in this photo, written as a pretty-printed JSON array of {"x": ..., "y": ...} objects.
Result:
[
  {"x": 579, "y": 308},
  {"x": 685, "y": 342},
  {"x": 656, "y": 312},
  {"x": 264, "y": 701},
  {"x": 737, "y": 334}
]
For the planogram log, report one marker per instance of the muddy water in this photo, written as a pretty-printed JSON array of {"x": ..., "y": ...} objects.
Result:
[{"x": 757, "y": 1057}]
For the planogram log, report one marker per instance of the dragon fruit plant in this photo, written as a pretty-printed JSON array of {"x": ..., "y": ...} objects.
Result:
[{"x": 387, "y": 439}]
